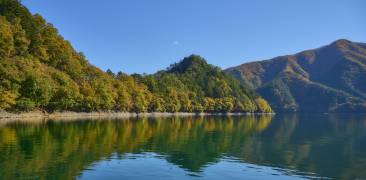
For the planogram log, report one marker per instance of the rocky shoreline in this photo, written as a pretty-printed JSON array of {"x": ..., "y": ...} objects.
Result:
[{"x": 92, "y": 115}]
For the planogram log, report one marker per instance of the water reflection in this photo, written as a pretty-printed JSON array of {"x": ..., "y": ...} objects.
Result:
[{"x": 327, "y": 145}]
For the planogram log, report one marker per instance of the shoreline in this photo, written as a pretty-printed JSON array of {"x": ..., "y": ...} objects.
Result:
[{"x": 92, "y": 115}]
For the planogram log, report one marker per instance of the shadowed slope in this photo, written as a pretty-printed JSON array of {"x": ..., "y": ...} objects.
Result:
[{"x": 330, "y": 78}]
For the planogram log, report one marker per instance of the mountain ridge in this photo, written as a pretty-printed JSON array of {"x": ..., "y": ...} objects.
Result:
[{"x": 337, "y": 71}]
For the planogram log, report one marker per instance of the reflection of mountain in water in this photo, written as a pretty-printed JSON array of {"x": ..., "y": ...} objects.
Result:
[
  {"x": 63, "y": 149},
  {"x": 328, "y": 145}
]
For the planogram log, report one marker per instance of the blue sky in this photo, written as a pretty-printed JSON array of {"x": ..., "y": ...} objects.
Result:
[{"x": 144, "y": 36}]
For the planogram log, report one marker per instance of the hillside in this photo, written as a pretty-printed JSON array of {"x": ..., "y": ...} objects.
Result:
[
  {"x": 192, "y": 84},
  {"x": 327, "y": 79},
  {"x": 40, "y": 70}
]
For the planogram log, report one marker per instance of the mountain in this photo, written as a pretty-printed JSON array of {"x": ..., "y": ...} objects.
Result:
[
  {"x": 327, "y": 79},
  {"x": 193, "y": 84},
  {"x": 40, "y": 70}
]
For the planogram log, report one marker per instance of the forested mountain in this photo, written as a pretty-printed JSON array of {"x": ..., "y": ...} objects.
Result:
[
  {"x": 328, "y": 79},
  {"x": 40, "y": 70},
  {"x": 194, "y": 85}
]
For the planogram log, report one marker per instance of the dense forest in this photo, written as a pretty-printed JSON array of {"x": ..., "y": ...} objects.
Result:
[
  {"x": 40, "y": 70},
  {"x": 328, "y": 79}
]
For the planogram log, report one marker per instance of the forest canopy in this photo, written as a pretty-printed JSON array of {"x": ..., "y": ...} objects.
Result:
[{"x": 40, "y": 70}]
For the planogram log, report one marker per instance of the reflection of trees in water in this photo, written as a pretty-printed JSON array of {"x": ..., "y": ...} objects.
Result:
[
  {"x": 329, "y": 145},
  {"x": 60, "y": 150},
  {"x": 277, "y": 137}
]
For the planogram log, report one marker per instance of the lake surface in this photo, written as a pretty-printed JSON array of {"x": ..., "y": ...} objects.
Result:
[{"x": 211, "y": 147}]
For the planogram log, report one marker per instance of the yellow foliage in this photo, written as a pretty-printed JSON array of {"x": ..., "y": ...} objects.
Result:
[
  {"x": 7, "y": 99},
  {"x": 6, "y": 38},
  {"x": 263, "y": 106}
]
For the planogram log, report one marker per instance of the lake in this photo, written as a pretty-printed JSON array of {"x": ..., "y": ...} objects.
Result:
[{"x": 293, "y": 146}]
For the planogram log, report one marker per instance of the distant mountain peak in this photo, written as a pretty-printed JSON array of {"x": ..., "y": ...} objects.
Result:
[
  {"x": 342, "y": 41},
  {"x": 341, "y": 44}
]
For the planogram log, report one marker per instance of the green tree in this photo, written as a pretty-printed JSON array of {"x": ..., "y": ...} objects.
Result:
[
  {"x": 209, "y": 104},
  {"x": 6, "y": 38},
  {"x": 156, "y": 105},
  {"x": 124, "y": 99},
  {"x": 21, "y": 43},
  {"x": 35, "y": 91}
]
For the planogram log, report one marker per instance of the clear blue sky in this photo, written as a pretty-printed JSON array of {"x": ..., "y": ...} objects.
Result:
[{"x": 149, "y": 35}]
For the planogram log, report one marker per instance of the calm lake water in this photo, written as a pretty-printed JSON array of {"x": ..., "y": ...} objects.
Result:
[{"x": 213, "y": 147}]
